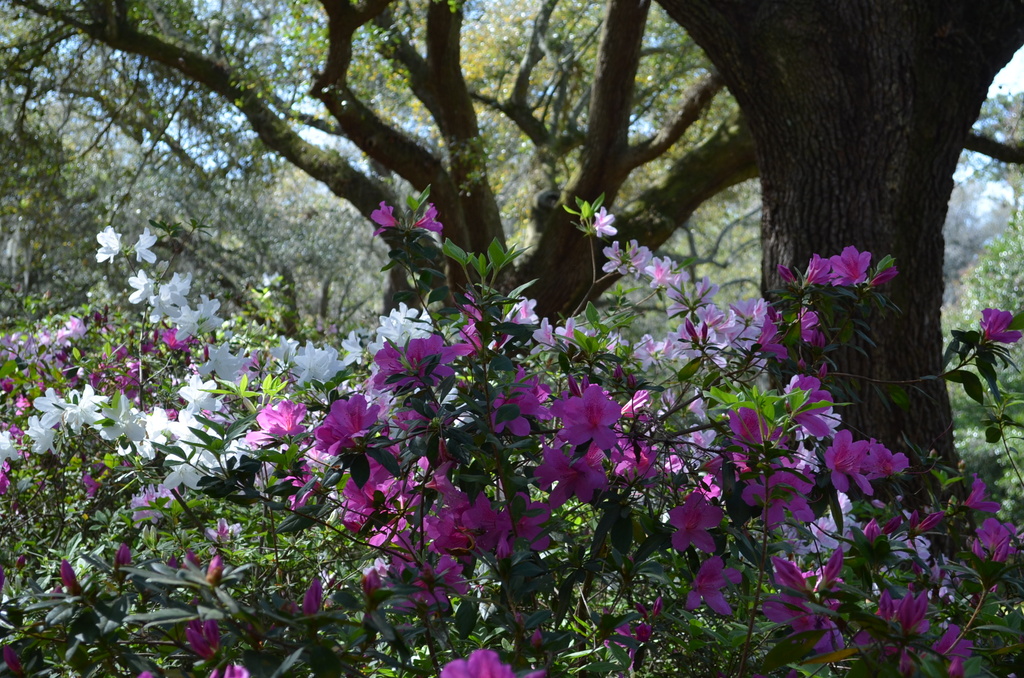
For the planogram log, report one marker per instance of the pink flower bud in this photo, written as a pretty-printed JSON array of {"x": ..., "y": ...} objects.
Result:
[
  {"x": 68, "y": 578},
  {"x": 313, "y": 598},
  {"x": 786, "y": 274},
  {"x": 123, "y": 557},
  {"x": 892, "y": 525},
  {"x": 872, "y": 531},
  {"x": 215, "y": 570},
  {"x": 371, "y": 582},
  {"x": 12, "y": 661},
  {"x": 537, "y": 639}
]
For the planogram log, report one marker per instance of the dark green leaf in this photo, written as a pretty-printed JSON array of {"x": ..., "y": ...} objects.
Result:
[{"x": 791, "y": 649}]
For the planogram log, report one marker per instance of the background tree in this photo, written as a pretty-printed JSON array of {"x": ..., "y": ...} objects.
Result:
[
  {"x": 859, "y": 110},
  {"x": 593, "y": 97}
]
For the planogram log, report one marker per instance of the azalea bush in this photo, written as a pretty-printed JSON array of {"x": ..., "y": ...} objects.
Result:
[{"x": 469, "y": 490}]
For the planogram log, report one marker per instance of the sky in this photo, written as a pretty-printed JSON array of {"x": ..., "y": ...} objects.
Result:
[{"x": 1010, "y": 80}]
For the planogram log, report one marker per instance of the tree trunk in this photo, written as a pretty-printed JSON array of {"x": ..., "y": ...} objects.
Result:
[{"x": 859, "y": 110}]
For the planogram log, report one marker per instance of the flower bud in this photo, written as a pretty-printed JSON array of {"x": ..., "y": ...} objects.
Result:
[
  {"x": 872, "y": 531},
  {"x": 371, "y": 582},
  {"x": 786, "y": 273},
  {"x": 68, "y": 578},
  {"x": 215, "y": 570},
  {"x": 892, "y": 525},
  {"x": 123, "y": 557},
  {"x": 12, "y": 661},
  {"x": 314, "y": 597}
]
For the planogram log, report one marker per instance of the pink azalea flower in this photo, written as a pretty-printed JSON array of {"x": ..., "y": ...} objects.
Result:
[
  {"x": 233, "y": 671},
  {"x": 882, "y": 463},
  {"x": 589, "y": 417},
  {"x": 582, "y": 476},
  {"x": 603, "y": 224},
  {"x": 482, "y": 664},
  {"x": 281, "y": 419},
  {"x": 817, "y": 271},
  {"x": 995, "y": 539},
  {"x": 203, "y": 638},
  {"x": 428, "y": 221},
  {"x": 850, "y": 267},
  {"x": 424, "y": 361},
  {"x": 995, "y": 324},
  {"x": 383, "y": 217},
  {"x": 976, "y": 499},
  {"x": 751, "y": 428},
  {"x": 846, "y": 460},
  {"x": 347, "y": 420},
  {"x": 692, "y": 521},
  {"x": 711, "y": 578}
]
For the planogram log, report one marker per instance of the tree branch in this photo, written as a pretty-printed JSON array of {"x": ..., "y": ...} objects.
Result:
[
  {"x": 533, "y": 55},
  {"x": 996, "y": 150},
  {"x": 691, "y": 110},
  {"x": 326, "y": 166}
]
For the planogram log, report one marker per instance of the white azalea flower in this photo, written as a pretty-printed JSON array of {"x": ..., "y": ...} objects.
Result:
[
  {"x": 398, "y": 327},
  {"x": 7, "y": 448},
  {"x": 318, "y": 364},
  {"x": 143, "y": 286},
  {"x": 222, "y": 361},
  {"x": 198, "y": 321},
  {"x": 353, "y": 349},
  {"x": 196, "y": 394},
  {"x": 83, "y": 409},
  {"x": 52, "y": 406},
  {"x": 142, "y": 251},
  {"x": 110, "y": 244},
  {"x": 170, "y": 297},
  {"x": 41, "y": 434},
  {"x": 128, "y": 421},
  {"x": 285, "y": 351}
]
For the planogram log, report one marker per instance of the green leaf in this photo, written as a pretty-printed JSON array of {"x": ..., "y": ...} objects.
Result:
[
  {"x": 1017, "y": 323},
  {"x": 971, "y": 384},
  {"x": 324, "y": 663},
  {"x": 899, "y": 396},
  {"x": 791, "y": 649},
  {"x": 360, "y": 470},
  {"x": 453, "y": 251},
  {"x": 593, "y": 317},
  {"x": 465, "y": 618},
  {"x": 8, "y": 369},
  {"x": 993, "y": 434}
]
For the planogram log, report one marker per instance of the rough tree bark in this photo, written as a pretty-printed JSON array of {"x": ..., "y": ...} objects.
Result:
[{"x": 859, "y": 110}]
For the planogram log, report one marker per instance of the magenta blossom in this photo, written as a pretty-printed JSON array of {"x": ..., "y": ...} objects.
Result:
[
  {"x": 846, "y": 459},
  {"x": 203, "y": 638},
  {"x": 817, "y": 271},
  {"x": 233, "y": 671},
  {"x": 281, "y": 419},
  {"x": 711, "y": 578},
  {"x": 995, "y": 540},
  {"x": 850, "y": 267},
  {"x": 348, "y": 420},
  {"x": 482, "y": 664},
  {"x": 995, "y": 327},
  {"x": 583, "y": 476},
  {"x": 589, "y": 417},
  {"x": 424, "y": 361},
  {"x": 383, "y": 217},
  {"x": 692, "y": 521},
  {"x": 976, "y": 499},
  {"x": 428, "y": 221}
]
